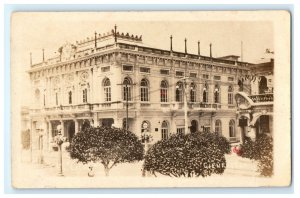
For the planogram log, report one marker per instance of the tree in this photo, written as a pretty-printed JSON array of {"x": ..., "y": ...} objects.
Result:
[
  {"x": 260, "y": 150},
  {"x": 109, "y": 146},
  {"x": 194, "y": 154}
]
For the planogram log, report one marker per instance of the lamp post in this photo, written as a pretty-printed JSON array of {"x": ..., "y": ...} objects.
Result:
[
  {"x": 185, "y": 103},
  {"x": 40, "y": 141},
  {"x": 59, "y": 139},
  {"x": 146, "y": 136}
]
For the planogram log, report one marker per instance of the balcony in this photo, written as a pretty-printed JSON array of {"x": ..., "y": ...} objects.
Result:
[{"x": 262, "y": 98}]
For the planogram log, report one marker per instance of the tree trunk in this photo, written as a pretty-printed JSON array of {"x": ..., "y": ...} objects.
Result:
[{"x": 106, "y": 170}]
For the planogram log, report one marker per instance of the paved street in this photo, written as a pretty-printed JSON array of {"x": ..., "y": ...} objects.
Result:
[{"x": 75, "y": 174}]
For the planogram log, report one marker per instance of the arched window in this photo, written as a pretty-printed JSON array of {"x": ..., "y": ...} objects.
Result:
[
  {"x": 217, "y": 94},
  {"x": 193, "y": 92},
  {"x": 218, "y": 126},
  {"x": 179, "y": 92},
  {"x": 263, "y": 87},
  {"x": 232, "y": 128},
  {"x": 127, "y": 89},
  {"x": 205, "y": 93},
  {"x": 144, "y": 90},
  {"x": 164, "y": 91},
  {"x": 84, "y": 95},
  {"x": 107, "y": 90},
  {"x": 70, "y": 97},
  {"x": 164, "y": 130},
  {"x": 230, "y": 95}
]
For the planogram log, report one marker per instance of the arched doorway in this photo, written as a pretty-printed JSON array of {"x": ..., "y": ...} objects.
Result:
[
  {"x": 194, "y": 126},
  {"x": 262, "y": 124},
  {"x": 262, "y": 87}
]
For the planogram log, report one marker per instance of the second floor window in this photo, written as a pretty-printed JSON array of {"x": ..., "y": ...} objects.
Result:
[
  {"x": 144, "y": 90},
  {"x": 164, "y": 91},
  {"x": 107, "y": 90},
  {"x": 84, "y": 95},
  {"x": 230, "y": 95},
  {"x": 217, "y": 94},
  {"x": 179, "y": 92},
  {"x": 193, "y": 92},
  {"x": 70, "y": 97},
  {"x": 127, "y": 93}
]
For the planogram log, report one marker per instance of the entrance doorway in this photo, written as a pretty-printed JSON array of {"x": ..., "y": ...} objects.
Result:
[
  {"x": 194, "y": 126},
  {"x": 108, "y": 122}
]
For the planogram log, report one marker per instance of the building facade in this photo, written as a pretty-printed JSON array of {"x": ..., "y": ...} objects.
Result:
[
  {"x": 113, "y": 79},
  {"x": 255, "y": 107}
]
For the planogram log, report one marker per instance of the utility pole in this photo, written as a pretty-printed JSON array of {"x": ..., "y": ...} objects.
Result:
[
  {"x": 185, "y": 104},
  {"x": 126, "y": 98},
  {"x": 185, "y": 107}
]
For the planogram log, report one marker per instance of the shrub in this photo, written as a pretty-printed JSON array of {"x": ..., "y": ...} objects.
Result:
[
  {"x": 193, "y": 154},
  {"x": 109, "y": 146},
  {"x": 261, "y": 150},
  {"x": 25, "y": 139}
]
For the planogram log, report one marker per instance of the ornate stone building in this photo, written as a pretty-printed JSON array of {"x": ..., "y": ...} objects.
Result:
[
  {"x": 114, "y": 79},
  {"x": 255, "y": 108}
]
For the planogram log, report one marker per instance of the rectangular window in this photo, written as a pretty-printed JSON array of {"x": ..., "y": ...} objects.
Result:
[
  {"x": 180, "y": 131},
  {"x": 205, "y": 76},
  {"x": 164, "y": 95},
  {"x": 230, "y": 98},
  {"x": 217, "y": 77},
  {"x": 107, "y": 94},
  {"x": 127, "y": 68},
  {"x": 164, "y": 72},
  {"x": 127, "y": 93},
  {"x": 206, "y": 129},
  {"x": 145, "y": 70},
  {"x": 105, "y": 69},
  {"x": 193, "y": 75},
  {"x": 180, "y": 73},
  {"x": 230, "y": 79},
  {"x": 144, "y": 94}
]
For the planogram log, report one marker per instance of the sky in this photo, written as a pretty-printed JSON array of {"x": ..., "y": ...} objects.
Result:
[{"x": 32, "y": 32}]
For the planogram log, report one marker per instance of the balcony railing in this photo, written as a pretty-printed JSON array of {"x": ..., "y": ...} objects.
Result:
[{"x": 261, "y": 98}]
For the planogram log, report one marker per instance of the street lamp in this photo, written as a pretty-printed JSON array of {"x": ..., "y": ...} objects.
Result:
[
  {"x": 59, "y": 139},
  {"x": 40, "y": 143},
  {"x": 146, "y": 136}
]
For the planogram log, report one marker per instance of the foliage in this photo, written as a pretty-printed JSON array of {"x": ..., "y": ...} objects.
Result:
[
  {"x": 193, "y": 154},
  {"x": 109, "y": 146},
  {"x": 221, "y": 141},
  {"x": 261, "y": 150},
  {"x": 25, "y": 137}
]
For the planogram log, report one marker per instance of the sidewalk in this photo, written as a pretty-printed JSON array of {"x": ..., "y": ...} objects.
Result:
[{"x": 75, "y": 174}]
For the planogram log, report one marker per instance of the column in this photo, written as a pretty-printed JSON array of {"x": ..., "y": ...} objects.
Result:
[
  {"x": 49, "y": 135},
  {"x": 62, "y": 127},
  {"x": 31, "y": 142},
  {"x": 76, "y": 126},
  {"x": 117, "y": 122},
  {"x": 45, "y": 135}
]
